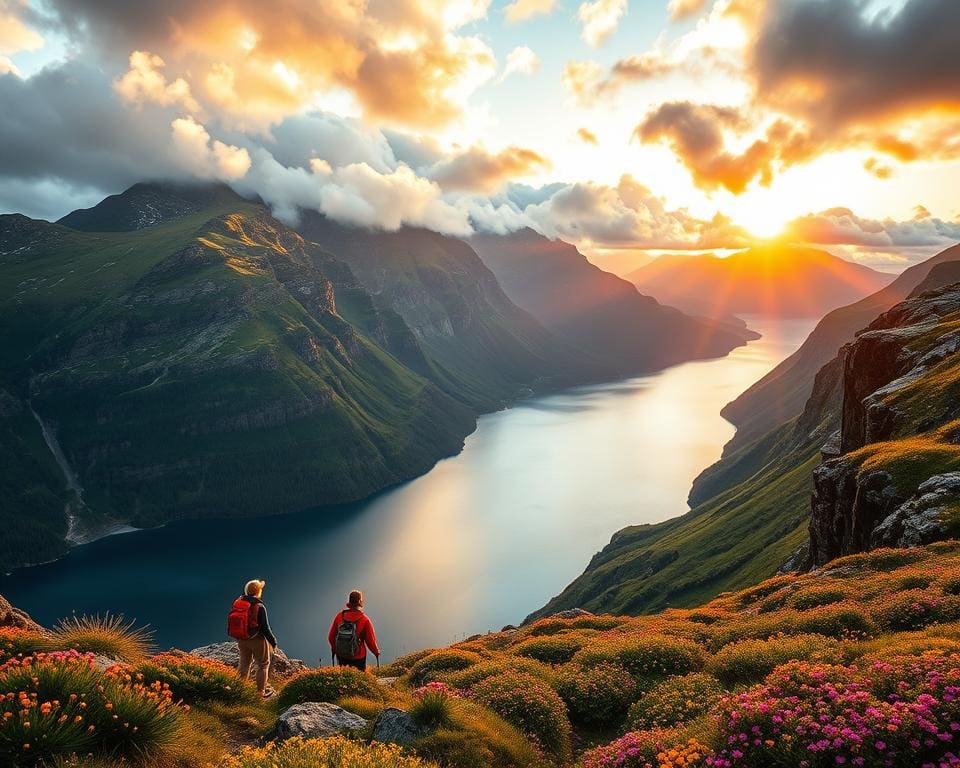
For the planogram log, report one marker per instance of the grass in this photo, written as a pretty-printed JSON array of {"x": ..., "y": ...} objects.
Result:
[{"x": 109, "y": 635}]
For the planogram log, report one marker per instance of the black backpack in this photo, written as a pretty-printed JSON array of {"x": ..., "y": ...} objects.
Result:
[{"x": 347, "y": 645}]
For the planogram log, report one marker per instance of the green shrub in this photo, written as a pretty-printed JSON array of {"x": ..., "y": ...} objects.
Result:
[
  {"x": 328, "y": 684},
  {"x": 916, "y": 609},
  {"x": 469, "y": 677},
  {"x": 440, "y": 662},
  {"x": 336, "y": 752},
  {"x": 553, "y": 649},
  {"x": 548, "y": 627},
  {"x": 840, "y": 620},
  {"x": 675, "y": 701},
  {"x": 598, "y": 696},
  {"x": 749, "y": 661},
  {"x": 914, "y": 581},
  {"x": 433, "y": 707},
  {"x": 107, "y": 635},
  {"x": 195, "y": 680},
  {"x": 531, "y": 706},
  {"x": 400, "y": 666},
  {"x": 814, "y": 598},
  {"x": 648, "y": 658},
  {"x": 59, "y": 704}
]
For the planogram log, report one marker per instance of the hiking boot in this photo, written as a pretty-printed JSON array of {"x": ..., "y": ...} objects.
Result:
[{"x": 268, "y": 693}]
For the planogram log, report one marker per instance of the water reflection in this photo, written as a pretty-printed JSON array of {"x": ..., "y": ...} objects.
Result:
[{"x": 478, "y": 542}]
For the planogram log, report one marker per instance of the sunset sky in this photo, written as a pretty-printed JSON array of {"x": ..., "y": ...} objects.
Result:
[{"x": 626, "y": 126}]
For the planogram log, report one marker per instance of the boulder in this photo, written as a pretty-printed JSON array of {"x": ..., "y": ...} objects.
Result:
[
  {"x": 572, "y": 613},
  {"x": 14, "y": 617},
  {"x": 921, "y": 519},
  {"x": 281, "y": 665},
  {"x": 316, "y": 720},
  {"x": 395, "y": 726}
]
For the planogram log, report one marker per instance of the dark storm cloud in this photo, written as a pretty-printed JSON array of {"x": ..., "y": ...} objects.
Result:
[
  {"x": 827, "y": 61},
  {"x": 67, "y": 122}
]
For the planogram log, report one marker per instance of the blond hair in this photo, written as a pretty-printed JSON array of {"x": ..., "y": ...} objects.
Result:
[{"x": 254, "y": 587}]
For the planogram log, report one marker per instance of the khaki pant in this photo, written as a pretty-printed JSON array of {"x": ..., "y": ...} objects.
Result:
[{"x": 255, "y": 649}]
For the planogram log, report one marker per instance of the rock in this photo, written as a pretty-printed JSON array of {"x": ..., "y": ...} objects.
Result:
[
  {"x": 395, "y": 726},
  {"x": 572, "y": 613},
  {"x": 316, "y": 720},
  {"x": 104, "y": 663},
  {"x": 920, "y": 520},
  {"x": 797, "y": 560},
  {"x": 14, "y": 617},
  {"x": 509, "y": 628},
  {"x": 387, "y": 680},
  {"x": 281, "y": 665}
]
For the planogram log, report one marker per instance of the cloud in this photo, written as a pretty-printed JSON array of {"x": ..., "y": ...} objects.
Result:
[
  {"x": 695, "y": 132},
  {"x": 522, "y": 10},
  {"x": 830, "y": 63},
  {"x": 206, "y": 158},
  {"x": 404, "y": 63},
  {"x": 521, "y": 60},
  {"x": 587, "y": 136},
  {"x": 600, "y": 19},
  {"x": 356, "y": 194},
  {"x": 841, "y": 226},
  {"x": 476, "y": 170},
  {"x": 15, "y": 35},
  {"x": 873, "y": 166},
  {"x": 580, "y": 79},
  {"x": 144, "y": 82},
  {"x": 685, "y": 9},
  {"x": 626, "y": 215}
]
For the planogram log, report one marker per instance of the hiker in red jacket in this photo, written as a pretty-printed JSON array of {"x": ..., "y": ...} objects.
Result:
[{"x": 351, "y": 633}]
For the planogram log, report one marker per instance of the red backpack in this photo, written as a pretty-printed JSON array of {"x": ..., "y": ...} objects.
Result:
[{"x": 242, "y": 621}]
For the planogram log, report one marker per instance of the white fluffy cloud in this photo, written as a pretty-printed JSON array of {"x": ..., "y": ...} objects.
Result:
[
  {"x": 522, "y": 61},
  {"x": 144, "y": 82},
  {"x": 206, "y": 158},
  {"x": 521, "y": 10},
  {"x": 600, "y": 19}
]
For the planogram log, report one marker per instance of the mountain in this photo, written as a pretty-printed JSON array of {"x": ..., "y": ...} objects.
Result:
[
  {"x": 149, "y": 203},
  {"x": 780, "y": 279},
  {"x": 751, "y": 512},
  {"x": 215, "y": 363},
  {"x": 597, "y": 311},
  {"x": 781, "y": 394},
  {"x": 478, "y": 345}
]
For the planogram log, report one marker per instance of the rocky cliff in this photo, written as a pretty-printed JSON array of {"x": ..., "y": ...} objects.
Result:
[{"x": 891, "y": 477}]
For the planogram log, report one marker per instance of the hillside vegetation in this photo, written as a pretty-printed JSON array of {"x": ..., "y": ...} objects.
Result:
[{"x": 857, "y": 663}]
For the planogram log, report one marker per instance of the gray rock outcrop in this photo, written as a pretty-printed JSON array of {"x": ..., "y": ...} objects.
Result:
[
  {"x": 395, "y": 726},
  {"x": 316, "y": 720}
]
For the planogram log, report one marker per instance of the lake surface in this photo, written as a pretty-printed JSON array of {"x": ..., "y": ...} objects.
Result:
[{"x": 480, "y": 541}]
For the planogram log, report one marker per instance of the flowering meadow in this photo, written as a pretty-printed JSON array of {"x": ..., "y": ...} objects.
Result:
[{"x": 857, "y": 664}]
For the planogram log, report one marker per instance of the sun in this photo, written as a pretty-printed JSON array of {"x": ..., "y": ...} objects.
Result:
[{"x": 764, "y": 220}]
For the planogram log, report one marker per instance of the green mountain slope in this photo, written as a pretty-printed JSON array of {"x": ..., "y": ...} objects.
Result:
[
  {"x": 203, "y": 366},
  {"x": 480, "y": 347},
  {"x": 599, "y": 312}
]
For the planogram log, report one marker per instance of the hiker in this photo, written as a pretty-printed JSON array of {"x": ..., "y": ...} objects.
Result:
[
  {"x": 248, "y": 625},
  {"x": 351, "y": 633}
]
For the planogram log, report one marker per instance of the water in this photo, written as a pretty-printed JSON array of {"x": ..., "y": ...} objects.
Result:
[{"x": 482, "y": 540}]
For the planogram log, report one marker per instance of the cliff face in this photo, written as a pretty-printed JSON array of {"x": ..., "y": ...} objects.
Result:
[{"x": 890, "y": 479}]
